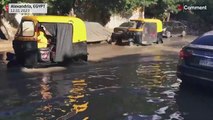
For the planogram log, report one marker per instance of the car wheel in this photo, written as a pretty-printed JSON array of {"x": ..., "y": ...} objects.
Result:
[
  {"x": 118, "y": 41},
  {"x": 183, "y": 33}
]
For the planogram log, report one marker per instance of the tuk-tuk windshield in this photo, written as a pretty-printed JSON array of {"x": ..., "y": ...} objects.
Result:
[{"x": 26, "y": 29}]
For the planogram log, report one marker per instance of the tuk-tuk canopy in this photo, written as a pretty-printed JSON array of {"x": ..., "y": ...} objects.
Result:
[
  {"x": 157, "y": 21},
  {"x": 79, "y": 28}
]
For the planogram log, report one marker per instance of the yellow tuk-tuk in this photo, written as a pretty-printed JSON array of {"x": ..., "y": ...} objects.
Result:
[
  {"x": 145, "y": 31},
  {"x": 49, "y": 39}
]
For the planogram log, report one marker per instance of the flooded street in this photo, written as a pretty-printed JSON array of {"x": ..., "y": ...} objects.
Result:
[
  {"x": 136, "y": 88},
  {"x": 141, "y": 90},
  {"x": 134, "y": 91}
]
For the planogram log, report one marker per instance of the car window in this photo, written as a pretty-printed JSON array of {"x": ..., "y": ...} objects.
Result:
[{"x": 205, "y": 40}]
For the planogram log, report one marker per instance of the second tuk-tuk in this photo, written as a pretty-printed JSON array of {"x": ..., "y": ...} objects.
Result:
[
  {"x": 146, "y": 31},
  {"x": 49, "y": 39},
  {"x": 142, "y": 32}
]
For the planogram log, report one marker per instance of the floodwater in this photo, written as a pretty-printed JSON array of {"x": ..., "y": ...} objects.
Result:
[{"x": 138, "y": 90}]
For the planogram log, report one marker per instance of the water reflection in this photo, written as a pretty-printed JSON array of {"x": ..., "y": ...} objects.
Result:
[
  {"x": 147, "y": 90},
  {"x": 138, "y": 91},
  {"x": 46, "y": 93},
  {"x": 77, "y": 97},
  {"x": 44, "y": 90},
  {"x": 77, "y": 94},
  {"x": 61, "y": 100},
  {"x": 160, "y": 83}
]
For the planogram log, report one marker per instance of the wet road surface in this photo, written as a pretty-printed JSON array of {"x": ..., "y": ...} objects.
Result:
[
  {"x": 128, "y": 87},
  {"x": 138, "y": 90}
]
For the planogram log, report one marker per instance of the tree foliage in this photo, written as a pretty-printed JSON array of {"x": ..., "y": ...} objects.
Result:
[
  {"x": 3, "y": 4},
  {"x": 101, "y": 10}
]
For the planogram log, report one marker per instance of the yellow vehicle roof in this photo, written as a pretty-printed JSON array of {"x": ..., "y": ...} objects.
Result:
[
  {"x": 157, "y": 21},
  {"x": 79, "y": 27}
]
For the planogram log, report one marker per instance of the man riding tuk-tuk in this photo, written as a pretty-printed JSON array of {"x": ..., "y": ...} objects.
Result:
[
  {"x": 146, "y": 31},
  {"x": 49, "y": 39}
]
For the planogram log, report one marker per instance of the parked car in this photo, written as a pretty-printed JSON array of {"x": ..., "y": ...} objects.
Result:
[
  {"x": 119, "y": 33},
  {"x": 173, "y": 28},
  {"x": 196, "y": 60}
]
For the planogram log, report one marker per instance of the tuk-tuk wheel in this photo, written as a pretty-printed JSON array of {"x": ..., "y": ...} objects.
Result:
[
  {"x": 119, "y": 41},
  {"x": 112, "y": 42},
  {"x": 131, "y": 43},
  {"x": 183, "y": 34},
  {"x": 168, "y": 34}
]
